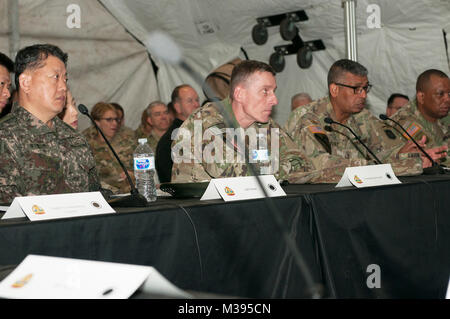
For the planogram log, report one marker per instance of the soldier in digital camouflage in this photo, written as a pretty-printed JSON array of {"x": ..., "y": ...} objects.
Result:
[
  {"x": 40, "y": 154},
  {"x": 6, "y": 67},
  {"x": 111, "y": 174},
  {"x": 423, "y": 117},
  {"x": 158, "y": 119},
  {"x": 333, "y": 147},
  {"x": 206, "y": 148}
]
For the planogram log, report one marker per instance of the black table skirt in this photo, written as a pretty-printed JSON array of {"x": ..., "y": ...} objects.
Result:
[{"x": 238, "y": 249}]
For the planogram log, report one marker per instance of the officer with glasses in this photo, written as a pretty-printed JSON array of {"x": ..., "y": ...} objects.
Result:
[
  {"x": 110, "y": 172},
  {"x": 331, "y": 146}
]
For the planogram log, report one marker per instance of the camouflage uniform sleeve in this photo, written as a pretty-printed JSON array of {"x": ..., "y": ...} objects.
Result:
[
  {"x": 330, "y": 167},
  {"x": 94, "y": 180},
  {"x": 186, "y": 168},
  {"x": 9, "y": 174},
  {"x": 407, "y": 164}
]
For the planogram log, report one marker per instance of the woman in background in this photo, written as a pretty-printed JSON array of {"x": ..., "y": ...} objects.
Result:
[
  {"x": 70, "y": 113},
  {"x": 110, "y": 172}
]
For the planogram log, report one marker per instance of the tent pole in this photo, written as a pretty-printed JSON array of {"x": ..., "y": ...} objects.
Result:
[
  {"x": 350, "y": 29},
  {"x": 13, "y": 23}
]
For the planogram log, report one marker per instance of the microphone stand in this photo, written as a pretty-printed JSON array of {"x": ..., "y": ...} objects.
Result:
[
  {"x": 134, "y": 199},
  {"x": 435, "y": 168},
  {"x": 329, "y": 120}
]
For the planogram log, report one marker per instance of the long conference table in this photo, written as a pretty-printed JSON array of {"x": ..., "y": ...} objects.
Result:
[{"x": 377, "y": 242}]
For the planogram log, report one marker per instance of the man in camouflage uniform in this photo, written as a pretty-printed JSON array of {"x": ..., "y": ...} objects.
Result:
[
  {"x": 111, "y": 174},
  {"x": 6, "y": 67},
  {"x": 422, "y": 117},
  {"x": 40, "y": 154},
  {"x": 158, "y": 119},
  {"x": 333, "y": 147},
  {"x": 395, "y": 102},
  {"x": 205, "y": 146}
]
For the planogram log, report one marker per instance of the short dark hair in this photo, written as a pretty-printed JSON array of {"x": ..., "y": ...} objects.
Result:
[
  {"x": 244, "y": 69},
  {"x": 176, "y": 92},
  {"x": 394, "y": 96},
  {"x": 6, "y": 62},
  {"x": 32, "y": 57},
  {"x": 340, "y": 67},
  {"x": 424, "y": 78}
]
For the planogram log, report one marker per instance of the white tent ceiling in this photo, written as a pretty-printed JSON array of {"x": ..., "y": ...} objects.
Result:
[{"x": 106, "y": 63}]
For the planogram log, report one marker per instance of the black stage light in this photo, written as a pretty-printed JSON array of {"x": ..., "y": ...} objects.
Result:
[
  {"x": 304, "y": 57},
  {"x": 260, "y": 34},
  {"x": 277, "y": 61},
  {"x": 288, "y": 29}
]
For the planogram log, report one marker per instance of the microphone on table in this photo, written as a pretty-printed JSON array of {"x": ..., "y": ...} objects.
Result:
[
  {"x": 330, "y": 121},
  {"x": 435, "y": 167},
  {"x": 163, "y": 47},
  {"x": 134, "y": 199}
]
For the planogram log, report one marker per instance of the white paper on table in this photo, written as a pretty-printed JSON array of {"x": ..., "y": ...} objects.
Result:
[
  {"x": 44, "y": 277},
  {"x": 242, "y": 188},
  {"x": 159, "y": 285},
  {"x": 45, "y": 207},
  {"x": 448, "y": 290},
  {"x": 367, "y": 176}
]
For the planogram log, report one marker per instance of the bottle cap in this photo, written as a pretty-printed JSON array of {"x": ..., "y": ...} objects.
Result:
[{"x": 142, "y": 140}]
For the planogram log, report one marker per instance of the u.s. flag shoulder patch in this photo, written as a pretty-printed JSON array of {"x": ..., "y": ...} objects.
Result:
[
  {"x": 412, "y": 130},
  {"x": 315, "y": 129}
]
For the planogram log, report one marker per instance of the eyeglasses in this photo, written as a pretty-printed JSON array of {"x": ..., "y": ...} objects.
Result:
[
  {"x": 111, "y": 119},
  {"x": 357, "y": 89}
]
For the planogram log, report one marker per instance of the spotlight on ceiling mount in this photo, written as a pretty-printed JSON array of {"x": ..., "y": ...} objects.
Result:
[
  {"x": 304, "y": 57},
  {"x": 289, "y": 32},
  {"x": 288, "y": 29},
  {"x": 259, "y": 33},
  {"x": 277, "y": 61}
]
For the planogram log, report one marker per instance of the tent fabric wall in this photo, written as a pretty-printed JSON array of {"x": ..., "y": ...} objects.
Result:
[
  {"x": 108, "y": 63},
  {"x": 105, "y": 62},
  {"x": 408, "y": 41}
]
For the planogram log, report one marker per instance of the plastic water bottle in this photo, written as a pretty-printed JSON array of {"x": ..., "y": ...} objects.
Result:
[
  {"x": 261, "y": 155},
  {"x": 144, "y": 170}
]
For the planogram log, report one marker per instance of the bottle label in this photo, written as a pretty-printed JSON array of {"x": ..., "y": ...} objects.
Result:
[
  {"x": 260, "y": 155},
  {"x": 144, "y": 163}
]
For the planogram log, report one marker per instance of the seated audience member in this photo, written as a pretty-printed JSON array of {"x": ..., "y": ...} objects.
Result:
[
  {"x": 422, "y": 117},
  {"x": 158, "y": 119},
  {"x": 70, "y": 112},
  {"x": 395, "y": 102},
  {"x": 144, "y": 129},
  {"x": 6, "y": 67},
  {"x": 250, "y": 102},
  {"x": 123, "y": 130},
  {"x": 333, "y": 146},
  {"x": 111, "y": 174},
  {"x": 184, "y": 100},
  {"x": 300, "y": 99},
  {"x": 40, "y": 153}
]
